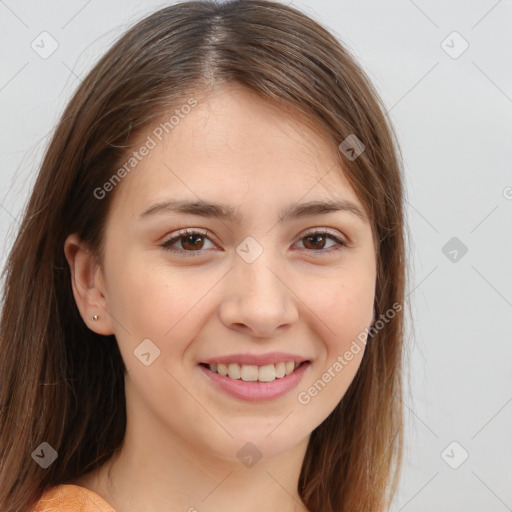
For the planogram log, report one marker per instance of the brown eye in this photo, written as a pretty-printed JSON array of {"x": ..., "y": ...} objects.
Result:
[
  {"x": 190, "y": 242},
  {"x": 315, "y": 242}
]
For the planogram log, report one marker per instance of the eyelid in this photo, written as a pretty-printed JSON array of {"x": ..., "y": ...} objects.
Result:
[
  {"x": 340, "y": 240},
  {"x": 180, "y": 233},
  {"x": 175, "y": 237},
  {"x": 328, "y": 231}
]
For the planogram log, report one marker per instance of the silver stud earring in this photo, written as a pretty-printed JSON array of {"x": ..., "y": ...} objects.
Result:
[{"x": 95, "y": 317}]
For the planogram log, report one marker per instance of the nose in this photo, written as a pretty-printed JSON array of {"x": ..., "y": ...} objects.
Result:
[{"x": 258, "y": 300}]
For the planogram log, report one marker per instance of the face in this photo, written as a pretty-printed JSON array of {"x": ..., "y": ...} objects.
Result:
[{"x": 243, "y": 289}]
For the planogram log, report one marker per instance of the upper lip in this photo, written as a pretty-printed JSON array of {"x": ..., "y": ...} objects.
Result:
[{"x": 256, "y": 359}]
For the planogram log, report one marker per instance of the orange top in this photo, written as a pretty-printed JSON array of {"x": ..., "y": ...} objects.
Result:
[{"x": 71, "y": 498}]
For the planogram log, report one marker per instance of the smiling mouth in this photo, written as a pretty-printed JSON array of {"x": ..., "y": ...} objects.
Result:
[{"x": 255, "y": 373}]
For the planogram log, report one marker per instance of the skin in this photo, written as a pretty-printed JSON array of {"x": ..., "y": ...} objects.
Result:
[{"x": 183, "y": 434}]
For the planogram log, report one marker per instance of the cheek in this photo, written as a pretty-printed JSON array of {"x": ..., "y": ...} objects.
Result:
[
  {"x": 153, "y": 302},
  {"x": 345, "y": 305},
  {"x": 151, "y": 298},
  {"x": 352, "y": 310},
  {"x": 345, "y": 310}
]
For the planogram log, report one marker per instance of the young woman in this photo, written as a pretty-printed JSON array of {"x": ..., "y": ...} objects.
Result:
[{"x": 203, "y": 305}]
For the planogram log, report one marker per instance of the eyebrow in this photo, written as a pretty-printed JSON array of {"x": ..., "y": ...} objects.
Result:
[{"x": 228, "y": 213}]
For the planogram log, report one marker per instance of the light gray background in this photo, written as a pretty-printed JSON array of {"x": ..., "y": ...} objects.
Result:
[{"x": 453, "y": 119}]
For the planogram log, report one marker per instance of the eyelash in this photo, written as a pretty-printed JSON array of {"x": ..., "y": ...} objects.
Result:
[{"x": 191, "y": 232}]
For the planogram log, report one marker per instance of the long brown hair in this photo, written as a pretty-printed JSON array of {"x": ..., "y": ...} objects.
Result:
[{"x": 63, "y": 384}]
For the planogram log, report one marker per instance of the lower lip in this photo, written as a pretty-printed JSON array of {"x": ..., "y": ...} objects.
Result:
[{"x": 256, "y": 391}]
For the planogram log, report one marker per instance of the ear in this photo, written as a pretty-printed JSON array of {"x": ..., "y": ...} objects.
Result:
[{"x": 88, "y": 286}]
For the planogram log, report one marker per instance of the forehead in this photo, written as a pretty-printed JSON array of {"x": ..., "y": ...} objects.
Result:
[{"x": 232, "y": 147}]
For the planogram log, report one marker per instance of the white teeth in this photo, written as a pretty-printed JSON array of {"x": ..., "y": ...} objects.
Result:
[
  {"x": 252, "y": 372},
  {"x": 248, "y": 372},
  {"x": 234, "y": 371},
  {"x": 280, "y": 370},
  {"x": 267, "y": 373},
  {"x": 290, "y": 366}
]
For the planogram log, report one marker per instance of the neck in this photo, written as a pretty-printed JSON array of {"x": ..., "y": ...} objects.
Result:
[{"x": 149, "y": 475}]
